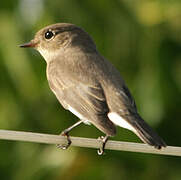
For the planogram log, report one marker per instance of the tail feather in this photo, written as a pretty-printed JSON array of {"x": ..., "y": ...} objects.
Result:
[
  {"x": 136, "y": 124},
  {"x": 147, "y": 134}
]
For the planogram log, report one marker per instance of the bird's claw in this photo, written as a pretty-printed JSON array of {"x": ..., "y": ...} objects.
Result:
[
  {"x": 65, "y": 146},
  {"x": 100, "y": 151},
  {"x": 103, "y": 139}
]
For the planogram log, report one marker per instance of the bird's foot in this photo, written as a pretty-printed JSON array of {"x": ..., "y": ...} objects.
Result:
[
  {"x": 65, "y": 146},
  {"x": 103, "y": 140}
]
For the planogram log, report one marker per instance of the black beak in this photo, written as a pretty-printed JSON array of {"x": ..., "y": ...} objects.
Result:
[{"x": 29, "y": 44}]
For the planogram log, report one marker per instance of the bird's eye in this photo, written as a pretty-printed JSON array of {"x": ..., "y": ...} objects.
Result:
[{"x": 49, "y": 34}]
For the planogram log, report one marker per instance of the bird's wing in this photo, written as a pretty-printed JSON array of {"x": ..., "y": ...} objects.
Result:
[
  {"x": 87, "y": 102},
  {"x": 123, "y": 112}
]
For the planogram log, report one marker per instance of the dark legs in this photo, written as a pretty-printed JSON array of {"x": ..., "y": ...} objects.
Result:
[
  {"x": 66, "y": 133},
  {"x": 104, "y": 140}
]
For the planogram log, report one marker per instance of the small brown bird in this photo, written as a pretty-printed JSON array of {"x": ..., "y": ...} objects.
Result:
[{"x": 88, "y": 85}]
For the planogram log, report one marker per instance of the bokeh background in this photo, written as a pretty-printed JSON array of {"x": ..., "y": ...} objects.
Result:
[{"x": 141, "y": 38}]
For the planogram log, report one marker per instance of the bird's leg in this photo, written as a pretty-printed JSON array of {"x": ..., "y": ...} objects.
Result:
[
  {"x": 66, "y": 133},
  {"x": 104, "y": 140}
]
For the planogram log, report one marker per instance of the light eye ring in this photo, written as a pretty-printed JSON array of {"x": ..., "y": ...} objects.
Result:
[{"x": 49, "y": 34}]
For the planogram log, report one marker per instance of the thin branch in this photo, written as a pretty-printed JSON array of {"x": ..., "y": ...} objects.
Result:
[{"x": 87, "y": 142}]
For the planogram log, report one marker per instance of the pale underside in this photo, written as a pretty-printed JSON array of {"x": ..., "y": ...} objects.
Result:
[{"x": 114, "y": 117}]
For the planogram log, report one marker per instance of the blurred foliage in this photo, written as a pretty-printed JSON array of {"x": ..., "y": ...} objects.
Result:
[{"x": 141, "y": 38}]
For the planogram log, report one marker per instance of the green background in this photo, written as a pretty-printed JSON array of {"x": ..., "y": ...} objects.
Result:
[{"x": 141, "y": 38}]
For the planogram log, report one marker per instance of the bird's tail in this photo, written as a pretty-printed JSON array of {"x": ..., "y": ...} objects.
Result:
[{"x": 146, "y": 133}]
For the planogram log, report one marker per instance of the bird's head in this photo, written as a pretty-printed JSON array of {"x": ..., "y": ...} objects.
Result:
[{"x": 58, "y": 37}]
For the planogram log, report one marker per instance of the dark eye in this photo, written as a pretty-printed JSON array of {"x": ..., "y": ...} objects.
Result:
[{"x": 49, "y": 35}]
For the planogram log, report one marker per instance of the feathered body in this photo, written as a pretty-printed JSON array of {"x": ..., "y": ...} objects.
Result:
[{"x": 88, "y": 85}]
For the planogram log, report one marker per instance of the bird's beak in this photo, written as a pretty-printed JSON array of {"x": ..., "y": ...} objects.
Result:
[{"x": 31, "y": 44}]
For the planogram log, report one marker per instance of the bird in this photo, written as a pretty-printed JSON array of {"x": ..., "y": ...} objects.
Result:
[{"x": 88, "y": 85}]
